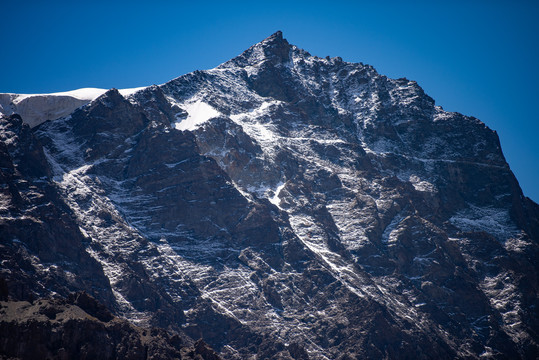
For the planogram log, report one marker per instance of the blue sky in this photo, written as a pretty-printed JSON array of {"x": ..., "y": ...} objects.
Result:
[{"x": 479, "y": 58}]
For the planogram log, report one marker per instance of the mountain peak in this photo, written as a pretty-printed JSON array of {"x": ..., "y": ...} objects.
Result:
[
  {"x": 276, "y": 37},
  {"x": 273, "y": 49}
]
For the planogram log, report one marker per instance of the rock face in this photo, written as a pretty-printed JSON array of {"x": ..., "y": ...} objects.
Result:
[
  {"x": 281, "y": 206},
  {"x": 42, "y": 246},
  {"x": 81, "y": 328}
]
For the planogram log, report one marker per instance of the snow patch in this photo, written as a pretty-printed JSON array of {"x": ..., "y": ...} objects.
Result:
[
  {"x": 389, "y": 236},
  {"x": 421, "y": 185},
  {"x": 198, "y": 113},
  {"x": 130, "y": 91},
  {"x": 275, "y": 200},
  {"x": 38, "y": 108},
  {"x": 491, "y": 220},
  {"x": 80, "y": 94},
  {"x": 5, "y": 202}
]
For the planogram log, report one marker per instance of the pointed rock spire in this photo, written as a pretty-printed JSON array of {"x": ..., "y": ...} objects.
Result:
[
  {"x": 275, "y": 38},
  {"x": 274, "y": 49}
]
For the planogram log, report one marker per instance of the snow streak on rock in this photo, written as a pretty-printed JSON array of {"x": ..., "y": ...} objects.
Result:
[{"x": 303, "y": 206}]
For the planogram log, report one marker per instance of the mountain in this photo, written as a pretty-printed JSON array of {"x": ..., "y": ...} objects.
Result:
[{"x": 282, "y": 206}]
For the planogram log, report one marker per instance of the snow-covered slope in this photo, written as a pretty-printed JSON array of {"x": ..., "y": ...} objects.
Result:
[
  {"x": 283, "y": 205},
  {"x": 37, "y": 108}
]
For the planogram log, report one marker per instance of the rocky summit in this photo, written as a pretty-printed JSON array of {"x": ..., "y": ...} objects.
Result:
[{"x": 279, "y": 206}]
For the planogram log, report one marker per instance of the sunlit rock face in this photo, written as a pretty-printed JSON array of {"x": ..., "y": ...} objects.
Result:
[{"x": 284, "y": 206}]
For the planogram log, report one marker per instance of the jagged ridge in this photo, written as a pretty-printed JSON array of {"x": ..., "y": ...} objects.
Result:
[{"x": 305, "y": 207}]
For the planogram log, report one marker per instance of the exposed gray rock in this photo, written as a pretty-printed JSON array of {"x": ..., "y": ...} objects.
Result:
[
  {"x": 60, "y": 329},
  {"x": 288, "y": 206}
]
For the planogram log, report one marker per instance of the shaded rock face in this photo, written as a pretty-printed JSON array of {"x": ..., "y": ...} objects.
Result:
[
  {"x": 60, "y": 329},
  {"x": 42, "y": 247},
  {"x": 312, "y": 208}
]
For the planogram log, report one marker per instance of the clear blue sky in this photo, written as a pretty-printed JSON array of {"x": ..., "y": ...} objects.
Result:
[{"x": 479, "y": 58}]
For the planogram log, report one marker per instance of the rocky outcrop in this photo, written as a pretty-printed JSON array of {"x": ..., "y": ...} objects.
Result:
[{"x": 81, "y": 328}]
